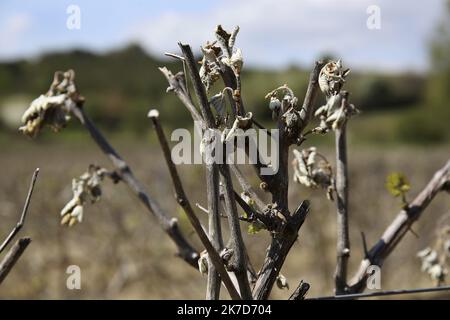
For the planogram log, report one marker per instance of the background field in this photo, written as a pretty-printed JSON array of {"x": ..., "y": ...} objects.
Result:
[{"x": 124, "y": 254}]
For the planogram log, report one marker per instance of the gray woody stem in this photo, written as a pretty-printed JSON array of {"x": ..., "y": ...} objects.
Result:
[
  {"x": 214, "y": 227},
  {"x": 343, "y": 240},
  {"x": 12, "y": 257},
  {"x": 311, "y": 93},
  {"x": 278, "y": 250},
  {"x": 246, "y": 187},
  {"x": 185, "y": 204},
  {"x": 395, "y": 232},
  {"x": 282, "y": 241},
  {"x": 21, "y": 221},
  {"x": 177, "y": 85},
  {"x": 212, "y": 182},
  {"x": 233, "y": 81},
  {"x": 170, "y": 225},
  {"x": 300, "y": 292},
  {"x": 238, "y": 263}
]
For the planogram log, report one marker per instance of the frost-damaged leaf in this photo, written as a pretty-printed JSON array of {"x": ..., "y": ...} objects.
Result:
[
  {"x": 239, "y": 123},
  {"x": 435, "y": 260},
  {"x": 312, "y": 170},
  {"x": 235, "y": 62},
  {"x": 210, "y": 68},
  {"x": 233, "y": 36},
  {"x": 433, "y": 265},
  {"x": 283, "y": 102},
  {"x": 332, "y": 78},
  {"x": 334, "y": 113},
  {"x": 53, "y": 108},
  {"x": 223, "y": 38},
  {"x": 86, "y": 188},
  {"x": 231, "y": 57},
  {"x": 203, "y": 262},
  {"x": 217, "y": 101},
  {"x": 282, "y": 282}
]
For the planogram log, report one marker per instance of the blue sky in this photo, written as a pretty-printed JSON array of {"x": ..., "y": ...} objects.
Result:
[{"x": 273, "y": 33}]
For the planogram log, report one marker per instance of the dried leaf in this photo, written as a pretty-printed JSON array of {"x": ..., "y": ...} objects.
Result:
[
  {"x": 332, "y": 78},
  {"x": 233, "y": 36},
  {"x": 312, "y": 170},
  {"x": 85, "y": 189},
  {"x": 217, "y": 101},
  {"x": 282, "y": 282},
  {"x": 52, "y": 109},
  {"x": 203, "y": 263}
]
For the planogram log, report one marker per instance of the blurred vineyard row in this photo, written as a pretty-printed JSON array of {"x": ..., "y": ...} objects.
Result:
[{"x": 123, "y": 253}]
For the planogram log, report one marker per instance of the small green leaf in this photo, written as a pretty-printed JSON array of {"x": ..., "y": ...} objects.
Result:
[
  {"x": 251, "y": 203},
  {"x": 397, "y": 184},
  {"x": 255, "y": 227},
  {"x": 183, "y": 222}
]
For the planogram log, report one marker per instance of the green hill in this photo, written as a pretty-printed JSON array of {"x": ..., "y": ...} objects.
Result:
[{"x": 120, "y": 86}]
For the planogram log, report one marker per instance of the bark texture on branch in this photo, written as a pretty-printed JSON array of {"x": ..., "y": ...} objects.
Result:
[
  {"x": 21, "y": 221},
  {"x": 343, "y": 239},
  {"x": 182, "y": 199},
  {"x": 238, "y": 261},
  {"x": 395, "y": 232},
  {"x": 12, "y": 257},
  {"x": 283, "y": 240},
  {"x": 214, "y": 227},
  {"x": 300, "y": 292},
  {"x": 278, "y": 251}
]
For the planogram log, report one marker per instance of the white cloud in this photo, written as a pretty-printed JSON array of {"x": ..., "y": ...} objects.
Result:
[
  {"x": 278, "y": 33},
  {"x": 12, "y": 30}
]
